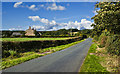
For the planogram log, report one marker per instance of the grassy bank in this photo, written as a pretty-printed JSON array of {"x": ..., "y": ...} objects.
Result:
[
  {"x": 31, "y": 39},
  {"x": 92, "y": 61},
  {"x": 110, "y": 61},
  {"x": 11, "y": 61}
]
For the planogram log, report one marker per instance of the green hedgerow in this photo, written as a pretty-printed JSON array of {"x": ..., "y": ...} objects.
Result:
[
  {"x": 113, "y": 45},
  {"x": 5, "y": 54},
  {"x": 103, "y": 39}
]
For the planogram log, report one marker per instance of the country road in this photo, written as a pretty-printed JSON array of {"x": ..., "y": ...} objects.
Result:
[{"x": 67, "y": 60}]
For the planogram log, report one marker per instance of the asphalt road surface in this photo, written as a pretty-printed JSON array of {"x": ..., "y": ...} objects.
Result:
[{"x": 67, "y": 60}]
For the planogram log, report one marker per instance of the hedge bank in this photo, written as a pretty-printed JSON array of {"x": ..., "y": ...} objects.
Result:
[
  {"x": 8, "y": 62},
  {"x": 35, "y": 45}
]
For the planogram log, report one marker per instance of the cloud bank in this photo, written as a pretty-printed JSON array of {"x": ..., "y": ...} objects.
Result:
[
  {"x": 53, "y": 25},
  {"x": 34, "y": 7}
]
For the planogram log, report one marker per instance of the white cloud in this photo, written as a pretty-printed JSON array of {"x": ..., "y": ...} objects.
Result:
[
  {"x": 87, "y": 24},
  {"x": 54, "y": 28},
  {"x": 17, "y": 4},
  {"x": 34, "y": 18},
  {"x": 43, "y": 20},
  {"x": 33, "y": 7},
  {"x": 42, "y": 5},
  {"x": 53, "y": 25},
  {"x": 71, "y": 24},
  {"x": 55, "y": 7},
  {"x": 84, "y": 21},
  {"x": 37, "y": 7},
  {"x": 53, "y": 22},
  {"x": 38, "y": 27},
  {"x": 79, "y": 25}
]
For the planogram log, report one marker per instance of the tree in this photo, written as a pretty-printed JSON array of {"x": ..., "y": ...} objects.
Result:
[{"x": 108, "y": 17}]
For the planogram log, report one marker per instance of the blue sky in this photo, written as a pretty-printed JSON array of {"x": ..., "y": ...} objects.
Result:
[{"x": 47, "y": 15}]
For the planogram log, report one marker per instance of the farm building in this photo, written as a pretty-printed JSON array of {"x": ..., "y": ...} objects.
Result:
[{"x": 30, "y": 32}]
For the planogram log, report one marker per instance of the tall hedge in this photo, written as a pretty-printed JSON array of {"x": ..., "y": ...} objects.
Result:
[
  {"x": 113, "y": 45},
  {"x": 33, "y": 45},
  {"x": 103, "y": 38}
]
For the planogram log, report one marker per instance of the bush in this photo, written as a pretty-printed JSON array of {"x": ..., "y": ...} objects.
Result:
[
  {"x": 113, "y": 45},
  {"x": 103, "y": 39},
  {"x": 25, "y": 46},
  {"x": 95, "y": 38},
  {"x": 5, "y": 54},
  {"x": 100, "y": 46},
  {"x": 12, "y": 53}
]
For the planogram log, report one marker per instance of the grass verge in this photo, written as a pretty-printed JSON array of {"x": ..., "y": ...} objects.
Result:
[
  {"x": 8, "y": 62},
  {"x": 110, "y": 61},
  {"x": 92, "y": 61}
]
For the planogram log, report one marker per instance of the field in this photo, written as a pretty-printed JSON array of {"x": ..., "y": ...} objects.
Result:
[{"x": 31, "y": 39}]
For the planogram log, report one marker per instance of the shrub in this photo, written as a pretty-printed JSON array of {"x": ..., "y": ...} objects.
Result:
[
  {"x": 103, "y": 34},
  {"x": 100, "y": 46},
  {"x": 41, "y": 51},
  {"x": 84, "y": 36},
  {"x": 25, "y": 46},
  {"x": 12, "y": 53},
  {"x": 5, "y": 54},
  {"x": 103, "y": 39},
  {"x": 95, "y": 38},
  {"x": 113, "y": 45}
]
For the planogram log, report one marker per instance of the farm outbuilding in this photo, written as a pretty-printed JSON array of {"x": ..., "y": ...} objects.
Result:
[{"x": 30, "y": 32}]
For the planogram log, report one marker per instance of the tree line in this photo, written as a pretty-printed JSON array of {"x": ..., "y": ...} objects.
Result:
[{"x": 58, "y": 33}]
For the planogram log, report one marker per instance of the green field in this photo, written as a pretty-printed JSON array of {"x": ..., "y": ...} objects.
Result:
[{"x": 31, "y": 39}]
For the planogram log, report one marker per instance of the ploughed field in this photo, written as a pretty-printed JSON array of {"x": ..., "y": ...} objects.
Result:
[{"x": 31, "y": 39}]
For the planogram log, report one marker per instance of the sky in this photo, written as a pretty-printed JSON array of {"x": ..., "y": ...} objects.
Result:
[{"x": 47, "y": 16}]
